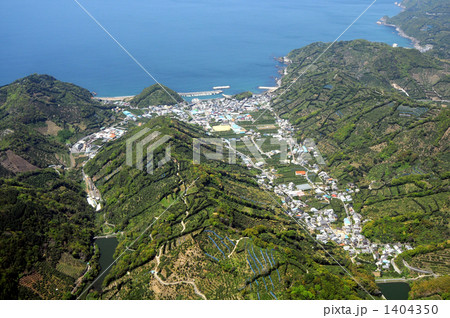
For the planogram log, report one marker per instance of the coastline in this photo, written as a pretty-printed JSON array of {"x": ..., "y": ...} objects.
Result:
[
  {"x": 415, "y": 42},
  {"x": 116, "y": 98}
]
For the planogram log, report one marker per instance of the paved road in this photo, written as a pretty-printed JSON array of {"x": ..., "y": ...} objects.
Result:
[
  {"x": 395, "y": 266},
  {"x": 416, "y": 269}
]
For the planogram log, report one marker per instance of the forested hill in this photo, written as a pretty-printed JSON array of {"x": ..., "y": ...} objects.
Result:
[
  {"x": 46, "y": 227},
  {"x": 156, "y": 95},
  {"x": 23, "y": 148},
  {"x": 39, "y": 98},
  {"x": 214, "y": 226},
  {"x": 428, "y": 22},
  {"x": 377, "y": 65},
  {"x": 38, "y": 115},
  {"x": 394, "y": 147}
]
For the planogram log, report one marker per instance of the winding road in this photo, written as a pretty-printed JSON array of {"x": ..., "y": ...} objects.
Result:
[
  {"x": 155, "y": 273},
  {"x": 417, "y": 269}
]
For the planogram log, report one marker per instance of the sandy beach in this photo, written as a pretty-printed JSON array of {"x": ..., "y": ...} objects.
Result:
[{"x": 115, "y": 99}]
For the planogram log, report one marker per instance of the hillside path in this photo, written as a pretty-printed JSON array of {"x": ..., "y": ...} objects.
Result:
[{"x": 155, "y": 273}]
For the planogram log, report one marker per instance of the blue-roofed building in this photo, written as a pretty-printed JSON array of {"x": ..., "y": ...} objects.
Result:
[
  {"x": 237, "y": 129},
  {"x": 127, "y": 113}
]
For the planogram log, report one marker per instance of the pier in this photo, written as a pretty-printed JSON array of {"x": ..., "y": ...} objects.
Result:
[{"x": 205, "y": 93}]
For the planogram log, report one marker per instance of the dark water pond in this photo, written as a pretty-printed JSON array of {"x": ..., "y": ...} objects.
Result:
[
  {"x": 107, "y": 247},
  {"x": 395, "y": 291}
]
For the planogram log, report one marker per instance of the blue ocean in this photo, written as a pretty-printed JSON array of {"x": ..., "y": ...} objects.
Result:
[{"x": 188, "y": 45}]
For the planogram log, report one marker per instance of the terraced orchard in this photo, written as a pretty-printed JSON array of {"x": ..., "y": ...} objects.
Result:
[
  {"x": 393, "y": 145},
  {"x": 208, "y": 231}
]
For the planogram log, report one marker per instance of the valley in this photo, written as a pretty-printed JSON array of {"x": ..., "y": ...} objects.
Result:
[{"x": 325, "y": 187}]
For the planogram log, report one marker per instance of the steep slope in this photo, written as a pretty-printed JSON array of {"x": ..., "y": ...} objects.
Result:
[
  {"x": 428, "y": 22},
  {"x": 156, "y": 95},
  {"x": 38, "y": 114},
  {"x": 208, "y": 231},
  {"x": 45, "y": 222},
  {"x": 46, "y": 228},
  {"x": 377, "y": 65},
  {"x": 39, "y": 98},
  {"x": 22, "y": 149},
  {"x": 395, "y": 148},
  {"x": 431, "y": 289}
]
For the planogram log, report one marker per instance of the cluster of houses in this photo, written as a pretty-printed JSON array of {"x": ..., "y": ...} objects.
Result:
[
  {"x": 163, "y": 110},
  {"x": 148, "y": 112},
  {"x": 90, "y": 144},
  {"x": 322, "y": 222},
  {"x": 226, "y": 113}
]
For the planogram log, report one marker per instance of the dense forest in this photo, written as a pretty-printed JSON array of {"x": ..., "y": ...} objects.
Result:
[
  {"x": 46, "y": 224},
  {"x": 243, "y": 95},
  {"x": 156, "y": 95},
  {"x": 36, "y": 99},
  {"x": 39, "y": 115}
]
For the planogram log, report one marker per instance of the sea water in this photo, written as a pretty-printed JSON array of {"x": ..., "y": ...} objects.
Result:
[{"x": 188, "y": 45}]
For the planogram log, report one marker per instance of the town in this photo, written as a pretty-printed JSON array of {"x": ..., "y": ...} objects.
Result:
[{"x": 236, "y": 122}]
